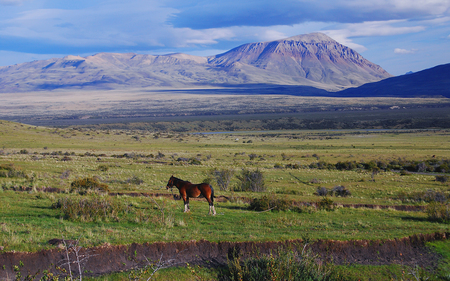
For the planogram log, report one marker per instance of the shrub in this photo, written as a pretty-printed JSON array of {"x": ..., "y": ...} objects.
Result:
[
  {"x": 135, "y": 180},
  {"x": 285, "y": 264},
  {"x": 442, "y": 179},
  {"x": 340, "y": 191},
  {"x": 252, "y": 156},
  {"x": 322, "y": 191},
  {"x": 11, "y": 171},
  {"x": 270, "y": 202},
  {"x": 325, "y": 204},
  {"x": 222, "y": 177},
  {"x": 103, "y": 168},
  {"x": 86, "y": 185},
  {"x": 194, "y": 161},
  {"x": 251, "y": 181},
  {"x": 437, "y": 211},
  {"x": 89, "y": 209},
  {"x": 335, "y": 191}
]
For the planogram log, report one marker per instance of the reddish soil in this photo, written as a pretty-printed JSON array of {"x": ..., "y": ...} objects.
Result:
[{"x": 107, "y": 259}]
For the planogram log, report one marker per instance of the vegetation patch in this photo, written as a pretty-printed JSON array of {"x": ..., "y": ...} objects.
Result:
[
  {"x": 284, "y": 264},
  {"x": 427, "y": 196},
  {"x": 251, "y": 181},
  {"x": 338, "y": 191},
  {"x": 271, "y": 202},
  {"x": 439, "y": 212},
  {"x": 11, "y": 171},
  {"x": 88, "y": 185},
  {"x": 90, "y": 209}
]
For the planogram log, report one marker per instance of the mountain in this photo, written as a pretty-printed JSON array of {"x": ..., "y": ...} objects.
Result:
[
  {"x": 315, "y": 57},
  {"x": 313, "y": 60},
  {"x": 429, "y": 82}
]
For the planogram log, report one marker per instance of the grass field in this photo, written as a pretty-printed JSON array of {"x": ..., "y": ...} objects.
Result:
[{"x": 136, "y": 161}]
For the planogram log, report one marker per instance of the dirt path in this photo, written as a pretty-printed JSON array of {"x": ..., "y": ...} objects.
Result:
[{"x": 107, "y": 258}]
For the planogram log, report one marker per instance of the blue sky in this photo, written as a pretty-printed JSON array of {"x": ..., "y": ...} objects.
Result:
[{"x": 399, "y": 35}]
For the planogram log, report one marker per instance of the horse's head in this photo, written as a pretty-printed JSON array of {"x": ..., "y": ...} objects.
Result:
[{"x": 171, "y": 182}]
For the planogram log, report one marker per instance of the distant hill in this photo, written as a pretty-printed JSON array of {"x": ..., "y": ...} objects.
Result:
[
  {"x": 313, "y": 60},
  {"x": 426, "y": 83}
]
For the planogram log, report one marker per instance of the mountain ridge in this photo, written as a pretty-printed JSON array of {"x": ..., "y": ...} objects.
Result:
[
  {"x": 314, "y": 60},
  {"x": 431, "y": 82}
]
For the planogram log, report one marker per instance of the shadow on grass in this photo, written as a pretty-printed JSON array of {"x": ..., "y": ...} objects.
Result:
[
  {"x": 242, "y": 208},
  {"x": 416, "y": 219}
]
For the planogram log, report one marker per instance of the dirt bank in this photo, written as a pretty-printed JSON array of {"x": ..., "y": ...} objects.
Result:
[{"x": 107, "y": 258}]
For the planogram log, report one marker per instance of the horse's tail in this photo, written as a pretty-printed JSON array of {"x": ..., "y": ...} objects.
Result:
[{"x": 212, "y": 193}]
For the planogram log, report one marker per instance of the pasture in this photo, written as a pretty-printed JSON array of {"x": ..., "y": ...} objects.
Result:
[{"x": 295, "y": 164}]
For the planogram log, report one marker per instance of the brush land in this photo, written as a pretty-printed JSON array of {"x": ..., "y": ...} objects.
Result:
[{"x": 385, "y": 169}]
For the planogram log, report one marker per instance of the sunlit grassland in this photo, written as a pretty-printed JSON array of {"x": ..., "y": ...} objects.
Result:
[{"x": 27, "y": 220}]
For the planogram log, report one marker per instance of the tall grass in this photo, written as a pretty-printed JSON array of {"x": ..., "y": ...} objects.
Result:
[
  {"x": 286, "y": 264},
  {"x": 438, "y": 211},
  {"x": 90, "y": 209}
]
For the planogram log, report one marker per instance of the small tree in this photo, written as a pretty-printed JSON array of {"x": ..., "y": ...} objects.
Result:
[{"x": 251, "y": 181}]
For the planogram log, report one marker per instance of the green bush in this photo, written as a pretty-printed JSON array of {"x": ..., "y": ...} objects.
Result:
[
  {"x": 89, "y": 209},
  {"x": 87, "y": 185},
  {"x": 325, "y": 204},
  {"x": 270, "y": 202},
  {"x": 251, "y": 181},
  {"x": 11, "y": 171},
  {"x": 286, "y": 264},
  {"x": 439, "y": 212}
]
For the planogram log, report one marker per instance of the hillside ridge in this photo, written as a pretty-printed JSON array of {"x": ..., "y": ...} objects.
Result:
[{"x": 314, "y": 60}]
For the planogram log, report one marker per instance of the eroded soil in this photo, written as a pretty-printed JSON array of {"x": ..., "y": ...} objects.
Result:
[{"x": 115, "y": 258}]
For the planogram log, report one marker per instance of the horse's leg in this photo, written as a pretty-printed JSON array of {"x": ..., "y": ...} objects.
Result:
[
  {"x": 186, "y": 205},
  {"x": 186, "y": 202},
  {"x": 211, "y": 201},
  {"x": 211, "y": 206}
]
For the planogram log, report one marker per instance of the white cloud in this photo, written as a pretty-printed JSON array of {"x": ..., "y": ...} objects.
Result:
[
  {"x": 369, "y": 29},
  {"x": 404, "y": 51},
  {"x": 271, "y": 35}
]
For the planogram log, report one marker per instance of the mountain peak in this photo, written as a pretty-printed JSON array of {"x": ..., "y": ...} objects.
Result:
[
  {"x": 313, "y": 60},
  {"x": 310, "y": 38},
  {"x": 315, "y": 57}
]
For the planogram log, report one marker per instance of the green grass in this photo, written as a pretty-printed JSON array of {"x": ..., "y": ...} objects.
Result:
[
  {"x": 28, "y": 222},
  {"x": 57, "y": 157}
]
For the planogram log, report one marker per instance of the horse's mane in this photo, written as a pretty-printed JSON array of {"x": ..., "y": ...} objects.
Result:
[{"x": 180, "y": 180}]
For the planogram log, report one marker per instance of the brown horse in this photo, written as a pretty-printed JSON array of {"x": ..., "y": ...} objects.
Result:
[{"x": 188, "y": 189}]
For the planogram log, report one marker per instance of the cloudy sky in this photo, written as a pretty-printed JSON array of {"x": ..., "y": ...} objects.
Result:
[{"x": 399, "y": 35}]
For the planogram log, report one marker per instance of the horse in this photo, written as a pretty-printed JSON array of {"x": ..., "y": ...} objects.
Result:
[{"x": 188, "y": 189}]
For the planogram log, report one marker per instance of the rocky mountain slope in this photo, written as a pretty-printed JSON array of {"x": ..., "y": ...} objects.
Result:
[{"x": 313, "y": 60}]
